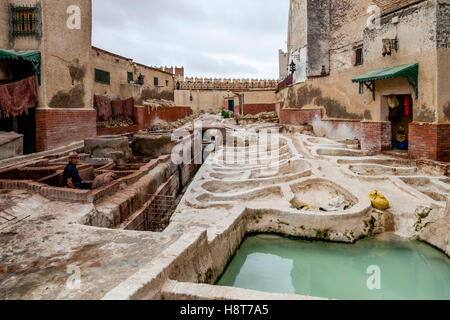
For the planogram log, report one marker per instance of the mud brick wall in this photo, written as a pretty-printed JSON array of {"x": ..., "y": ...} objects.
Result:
[
  {"x": 56, "y": 128},
  {"x": 258, "y": 108},
  {"x": 299, "y": 116},
  {"x": 429, "y": 141},
  {"x": 376, "y": 136}
]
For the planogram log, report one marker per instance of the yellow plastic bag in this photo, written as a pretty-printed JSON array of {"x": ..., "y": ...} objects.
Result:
[{"x": 379, "y": 201}]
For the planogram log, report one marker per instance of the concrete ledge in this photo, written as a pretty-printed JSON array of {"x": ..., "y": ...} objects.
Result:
[{"x": 174, "y": 290}]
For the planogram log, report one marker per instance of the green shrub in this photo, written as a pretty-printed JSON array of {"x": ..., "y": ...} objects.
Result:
[{"x": 225, "y": 114}]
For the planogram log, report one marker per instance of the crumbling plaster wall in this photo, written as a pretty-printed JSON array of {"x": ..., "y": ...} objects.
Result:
[
  {"x": 340, "y": 97},
  {"x": 348, "y": 19},
  {"x": 318, "y": 36},
  {"x": 416, "y": 33},
  {"x": 117, "y": 66},
  {"x": 443, "y": 61},
  {"x": 308, "y": 37},
  {"x": 298, "y": 24},
  {"x": 66, "y": 63}
]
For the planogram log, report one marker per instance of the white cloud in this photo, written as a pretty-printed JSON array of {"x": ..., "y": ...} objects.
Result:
[{"x": 211, "y": 38}]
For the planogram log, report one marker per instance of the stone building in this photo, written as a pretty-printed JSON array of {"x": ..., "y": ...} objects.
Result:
[
  {"x": 242, "y": 96},
  {"x": 51, "y": 40},
  {"x": 122, "y": 77},
  {"x": 374, "y": 68}
]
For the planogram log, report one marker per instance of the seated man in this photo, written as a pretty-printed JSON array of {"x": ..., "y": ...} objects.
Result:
[{"x": 71, "y": 176}]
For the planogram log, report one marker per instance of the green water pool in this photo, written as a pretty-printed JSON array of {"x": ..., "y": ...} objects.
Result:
[{"x": 374, "y": 268}]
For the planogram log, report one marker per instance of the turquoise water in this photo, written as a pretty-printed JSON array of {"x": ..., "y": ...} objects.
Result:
[{"x": 408, "y": 270}]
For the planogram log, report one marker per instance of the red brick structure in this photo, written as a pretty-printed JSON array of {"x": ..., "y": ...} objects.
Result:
[
  {"x": 376, "y": 136},
  {"x": 117, "y": 131},
  {"x": 426, "y": 141},
  {"x": 258, "y": 108},
  {"x": 146, "y": 119},
  {"x": 429, "y": 141},
  {"x": 59, "y": 127}
]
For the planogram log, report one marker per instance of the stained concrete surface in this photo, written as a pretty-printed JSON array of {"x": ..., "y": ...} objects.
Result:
[{"x": 225, "y": 201}]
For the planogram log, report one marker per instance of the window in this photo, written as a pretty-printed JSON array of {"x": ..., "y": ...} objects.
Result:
[
  {"x": 359, "y": 59},
  {"x": 167, "y": 83},
  {"x": 130, "y": 77},
  {"x": 23, "y": 21},
  {"x": 102, "y": 76},
  {"x": 156, "y": 81}
]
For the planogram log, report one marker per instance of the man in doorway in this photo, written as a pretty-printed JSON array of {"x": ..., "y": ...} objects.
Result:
[{"x": 71, "y": 176}]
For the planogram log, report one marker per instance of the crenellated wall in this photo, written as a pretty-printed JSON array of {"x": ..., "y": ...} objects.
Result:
[{"x": 225, "y": 84}]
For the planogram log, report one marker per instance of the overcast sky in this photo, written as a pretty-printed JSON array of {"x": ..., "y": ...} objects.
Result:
[{"x": 210, "y": 38}]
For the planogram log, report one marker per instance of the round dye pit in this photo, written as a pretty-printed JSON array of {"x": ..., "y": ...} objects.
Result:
[
  {"x": 321, "y": 195},
  {"x": 409, "y": 270}
]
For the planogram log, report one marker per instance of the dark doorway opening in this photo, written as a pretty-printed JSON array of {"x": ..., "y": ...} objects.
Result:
[
  {"x": 400, "y": 116},
  {"x": 12, "y": 71},
  {"x": 23, "y": 124}
]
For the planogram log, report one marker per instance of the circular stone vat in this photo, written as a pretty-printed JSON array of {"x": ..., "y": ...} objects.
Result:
[
  {"x": 321, "y": 195},
  {"x": 410, "y": 270},
  {"x": 339, "y": 152},
  {"x": 380, "y": 170},
  {"x": 285, "y": 168},
  {"x": 429, "y": 188}
]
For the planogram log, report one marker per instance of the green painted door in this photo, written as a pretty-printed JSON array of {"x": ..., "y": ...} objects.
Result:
[{"x": 231, "y": 105}]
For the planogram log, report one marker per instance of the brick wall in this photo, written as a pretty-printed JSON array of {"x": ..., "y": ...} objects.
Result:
[
  {"x": 429, "y": 141},
  {"x": 376, "y": 136},
  {"x": 59, "y": 127},
  {"x": 258, "y": 108},
  {"x": 116, "y": 131},
  {"x": 299, "y": 116}
]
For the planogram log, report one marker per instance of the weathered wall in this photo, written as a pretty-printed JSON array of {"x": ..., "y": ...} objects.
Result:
[
  {"x": 318, "y": 38},
  {"x": 205, "y": 100},
  {"x": 283, "y": 62},
  {"x": 19, "y": 43},
  {"x": 55, "y": 128},
  {"x": 309, "y": 27},
  {"x": 118, "y": 67},
  {"x": 297, "y": 36},
  {"x": 146, "y": 117},
  {"x": 66, "y": 62},
  {"x": 348, "y": 19},
  {"x": 340, "y": 97},
  {"x": 216, "y": 100},
  {"x": 443, "y": 61}
]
